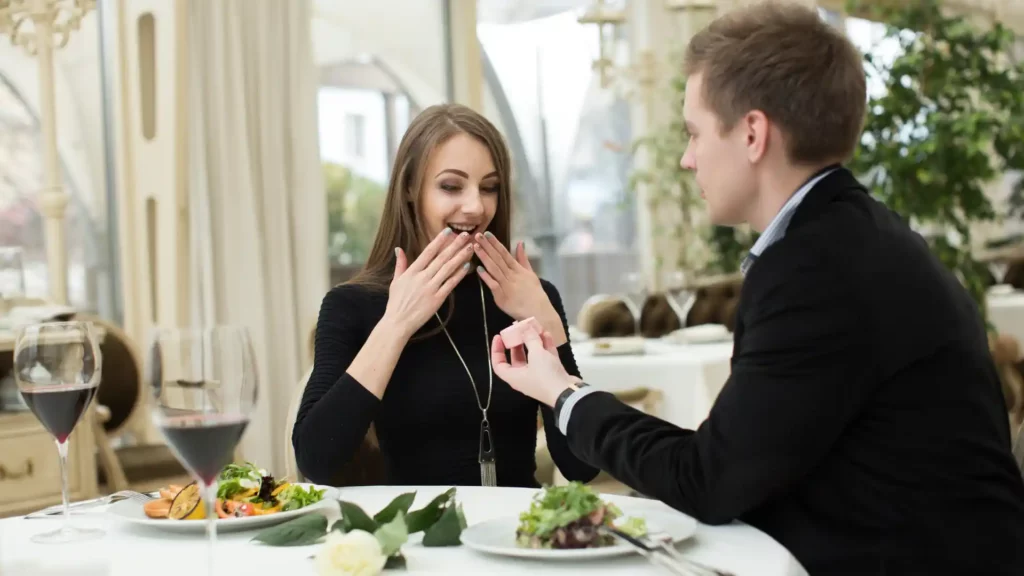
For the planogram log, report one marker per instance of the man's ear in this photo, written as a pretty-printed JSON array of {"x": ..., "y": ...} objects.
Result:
[{"x": 757, "y": 130}]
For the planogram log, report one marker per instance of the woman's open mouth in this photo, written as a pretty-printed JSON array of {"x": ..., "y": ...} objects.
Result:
[{"x": 459, "y": 228}]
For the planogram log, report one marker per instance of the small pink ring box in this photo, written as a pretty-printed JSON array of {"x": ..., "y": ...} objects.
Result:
[{"x": 515, "y": 335}]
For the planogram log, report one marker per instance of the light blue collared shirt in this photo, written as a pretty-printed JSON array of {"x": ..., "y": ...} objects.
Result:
[{"x": 775, "y": 231}]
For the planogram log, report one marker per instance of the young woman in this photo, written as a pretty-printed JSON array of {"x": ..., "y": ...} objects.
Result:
[{"x": 405, "y": 345}]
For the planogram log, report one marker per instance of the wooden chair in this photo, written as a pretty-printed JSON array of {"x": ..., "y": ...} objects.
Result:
[
  {"x": 1006, "y": 354},
  {"x": 604, "y": 316},
  {"x": 716, "y": 299}
]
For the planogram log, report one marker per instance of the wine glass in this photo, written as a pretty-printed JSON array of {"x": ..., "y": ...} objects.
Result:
[
  {"x": 675, "y": 290},
  {"x": 633, "y": 284},
  {"x": 204, "y": 387},
  {"x": 57, "y": 367}
]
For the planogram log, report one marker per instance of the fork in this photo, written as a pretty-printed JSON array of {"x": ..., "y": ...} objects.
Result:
[
  {"x": 664, "y": 542},
  {"x": 109, "y": 499},
  {"x": 649, "y": 545}
]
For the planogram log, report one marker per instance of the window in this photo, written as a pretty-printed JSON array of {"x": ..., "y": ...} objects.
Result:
[
  {"x": 363, "y": 113},
  {"x": 21, "y": 222},
  {"x": 570, "y": 140},
  {"x": 355, "y": 135}
]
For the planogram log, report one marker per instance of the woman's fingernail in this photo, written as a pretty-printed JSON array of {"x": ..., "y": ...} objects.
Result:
[
  {"x": 446, "y": 232},
  {"x": 480, "y": 270},
  {"x": 463, "y": 235},
  {"x": 469, "y": 249},
  {"x": 466, "y": 266},
  {"x": 396, "y": 251},
  {"x": 488, "y": 234}
]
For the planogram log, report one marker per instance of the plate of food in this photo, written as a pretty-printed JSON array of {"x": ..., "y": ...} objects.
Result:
[
  {"x": 247, "y": 498},
  {"x": 565, "y": 523}
]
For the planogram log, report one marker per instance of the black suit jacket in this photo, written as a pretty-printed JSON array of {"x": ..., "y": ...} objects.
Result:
[{"x": 863, "y": 426}]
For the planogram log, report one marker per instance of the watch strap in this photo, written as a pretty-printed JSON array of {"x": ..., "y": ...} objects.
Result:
[{"x": 565, "y": 396}]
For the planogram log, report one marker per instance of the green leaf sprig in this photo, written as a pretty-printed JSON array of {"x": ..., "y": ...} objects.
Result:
[{"x": 441, "y": 521}]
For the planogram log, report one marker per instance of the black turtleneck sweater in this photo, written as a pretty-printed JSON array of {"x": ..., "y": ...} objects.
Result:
[{"x": 428, "y": 422}]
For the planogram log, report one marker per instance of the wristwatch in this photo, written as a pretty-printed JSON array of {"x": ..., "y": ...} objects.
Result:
[{"x": 565, "y": 395}]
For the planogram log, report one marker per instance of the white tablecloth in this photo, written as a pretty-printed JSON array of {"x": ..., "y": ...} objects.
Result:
[
  {"x": 126, "y": 550},
  {"x": 689, "y": 376}
]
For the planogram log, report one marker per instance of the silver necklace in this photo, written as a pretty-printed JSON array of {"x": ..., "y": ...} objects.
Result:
[{"x": 488, "y": 469}]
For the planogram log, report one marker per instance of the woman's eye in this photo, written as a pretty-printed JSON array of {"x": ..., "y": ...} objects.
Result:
[
  {"x": 450, "y": 187},
  {"x": 492, "y": 189}
]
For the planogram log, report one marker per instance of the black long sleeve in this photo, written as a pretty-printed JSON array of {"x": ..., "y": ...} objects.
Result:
[
  {"x": 428, "y": 421},
  {"x": 568, "y": 464},
  {"x": 795, "y": 386},
  {"x": 336, "y": 410}
]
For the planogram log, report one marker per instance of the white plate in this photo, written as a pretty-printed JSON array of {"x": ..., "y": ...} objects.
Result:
[
  {"x": 499, "y": 536},
  {"x": 617, "y": 346},
  {"x": 131, "y": 512},
  {"x": 702, "y": 334}
]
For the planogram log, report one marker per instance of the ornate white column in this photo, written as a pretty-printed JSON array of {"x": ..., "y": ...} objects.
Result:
[{"x": 41, "y": 27}]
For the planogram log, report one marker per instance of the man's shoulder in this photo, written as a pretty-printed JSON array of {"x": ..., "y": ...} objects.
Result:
[{"x": 847, "y": 232}]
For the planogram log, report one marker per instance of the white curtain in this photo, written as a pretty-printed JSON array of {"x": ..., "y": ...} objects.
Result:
[{"x": 258, "y": 227}]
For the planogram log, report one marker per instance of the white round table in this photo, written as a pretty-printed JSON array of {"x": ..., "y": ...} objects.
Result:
[
  {"x": 688, "y": 376},
  {"x": 127, "y": 550}
]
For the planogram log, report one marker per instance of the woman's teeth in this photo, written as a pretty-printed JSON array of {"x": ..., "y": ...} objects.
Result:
[{"x": 461, "y": 228}]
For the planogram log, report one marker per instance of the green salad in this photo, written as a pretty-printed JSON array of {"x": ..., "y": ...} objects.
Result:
[
  {"x": 567, "y": 517},
  {"x": 245, "y": 483}
]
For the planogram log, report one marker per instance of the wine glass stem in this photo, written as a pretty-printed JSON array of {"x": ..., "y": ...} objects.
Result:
[
  {"x": 62, "y": 450},
  {"x": 209, "y": 501}
]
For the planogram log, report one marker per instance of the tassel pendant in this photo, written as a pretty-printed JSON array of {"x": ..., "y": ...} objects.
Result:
[{"x": 488, "y": 469}]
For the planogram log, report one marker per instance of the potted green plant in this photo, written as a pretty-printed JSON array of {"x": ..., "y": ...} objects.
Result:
[
  {"x": 948, "y": 121},
  {"x": 671, "y": 195}
]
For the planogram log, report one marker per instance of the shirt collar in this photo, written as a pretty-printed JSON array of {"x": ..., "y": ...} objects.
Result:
[{"x": 777, "y": 227}]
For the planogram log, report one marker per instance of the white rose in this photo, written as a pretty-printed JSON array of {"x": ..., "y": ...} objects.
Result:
[{"x": 357, "y": 553}]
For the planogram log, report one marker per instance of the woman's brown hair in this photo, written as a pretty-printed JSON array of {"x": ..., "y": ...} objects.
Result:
[{"x": 401, "y": 224}]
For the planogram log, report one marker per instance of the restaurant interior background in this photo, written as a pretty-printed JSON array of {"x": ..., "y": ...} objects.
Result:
[{"x": 226, "y": 162}]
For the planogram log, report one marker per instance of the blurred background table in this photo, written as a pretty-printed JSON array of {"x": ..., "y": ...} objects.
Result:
[{"x": 687, "y": 377}]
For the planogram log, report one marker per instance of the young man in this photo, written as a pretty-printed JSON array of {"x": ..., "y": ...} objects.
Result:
[{"x": 863, "y": 425}]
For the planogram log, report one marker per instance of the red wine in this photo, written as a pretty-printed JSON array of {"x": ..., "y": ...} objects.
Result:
[
  {"x": 59, "y": 408},
  {"x": 204, "y": 444}
]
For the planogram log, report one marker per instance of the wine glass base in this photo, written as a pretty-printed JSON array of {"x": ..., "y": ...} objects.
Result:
[{"x": 67, "y": 535}]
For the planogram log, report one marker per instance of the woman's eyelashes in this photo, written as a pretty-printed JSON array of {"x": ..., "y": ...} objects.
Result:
[{"x": 454, "y": 187}]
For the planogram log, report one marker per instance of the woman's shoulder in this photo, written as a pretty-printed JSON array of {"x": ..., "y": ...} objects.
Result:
[{"x": 354, "y": 297}]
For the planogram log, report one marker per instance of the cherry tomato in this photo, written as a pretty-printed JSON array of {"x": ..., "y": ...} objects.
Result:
[{"x": 245, "y": 509}]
